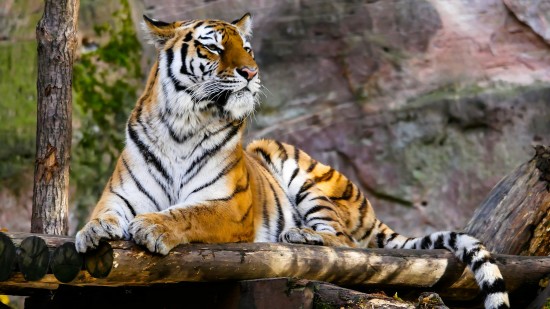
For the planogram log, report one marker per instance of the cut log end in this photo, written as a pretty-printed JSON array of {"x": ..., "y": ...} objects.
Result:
[
  {"x": 33, "y": 258},
  {"x": 66, "y": 262},
  {"x": 99, "y": 262}
]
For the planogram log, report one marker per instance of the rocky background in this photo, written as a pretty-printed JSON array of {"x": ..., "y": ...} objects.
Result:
[{"x": 425, "y": 103}]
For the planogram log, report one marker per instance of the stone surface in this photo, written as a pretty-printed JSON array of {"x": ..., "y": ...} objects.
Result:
[{"x": 536, "y": 14}]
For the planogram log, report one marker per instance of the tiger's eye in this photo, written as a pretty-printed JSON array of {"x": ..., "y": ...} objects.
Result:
[{"x": 213, "y": 48}]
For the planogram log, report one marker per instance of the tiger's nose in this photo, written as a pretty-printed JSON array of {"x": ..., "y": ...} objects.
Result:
[{"x": 247, "y": 72}]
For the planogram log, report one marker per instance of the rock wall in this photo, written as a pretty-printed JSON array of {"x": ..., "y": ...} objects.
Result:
[{"x": 425, "y": 103}]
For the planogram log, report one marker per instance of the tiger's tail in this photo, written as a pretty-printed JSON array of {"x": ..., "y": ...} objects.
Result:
[{"x": 468, "y": 249}]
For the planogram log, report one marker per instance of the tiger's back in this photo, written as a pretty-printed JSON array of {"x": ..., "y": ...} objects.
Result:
[{"x": 185, "y": 177}]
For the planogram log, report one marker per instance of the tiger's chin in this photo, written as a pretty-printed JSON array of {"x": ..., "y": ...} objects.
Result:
[{"x": 240, "y": 104}]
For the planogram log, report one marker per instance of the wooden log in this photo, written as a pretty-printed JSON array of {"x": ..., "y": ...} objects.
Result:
[
  {"x": 515, "y": 217},
  {"x": 327, "y": 295},
  {"x": 258, "y": 294},
  {"x": 437, "y": 270}
]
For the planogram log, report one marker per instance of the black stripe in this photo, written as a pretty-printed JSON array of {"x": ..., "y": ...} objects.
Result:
[
  {"x": 300, "y": 196},
  {"x": 211, "y": 152},
  {"x": 147, "y": 154},
  {"x": 497, "y": 286},
  {"x": 368, "y": 231},
  {"x": 198, "y": 24},
  {"x": 362, "y": 210},
  {"x": 282, "y": 149},
  {"x": 346, "y": 194},
  {"x": 280, "y": 217},
  {"x": 321, "y": 197},
  {"x": 183, "y": 69},
  {"x": 297, "y": 159},
  {"x": 126, "y": 202},
  {"x": 294, "y": 174},
  {"x": 452, "y": 241},
  {"x": 316, "y": 209},
  {"x": 188, "y": 36},
  {"x": 238, "y": 189},
  {"x": 357, "y": 195},
  {"x": 139, "y": 186},
  {"x": 198, "y": 47},
  {"x": 405, "y": 242},
  {"x": 326, "y": 176},
  {"x": 265, "y": 155},
  {"x": 179, "y": 87},
  {"x": 207, "y": 136},
  {"x": 392, "y": 237},
  {"x": 469, "y": 255},
  {"x": 264, "y": 206},
  {"x": 296, "y": 218},
  {"x": 438, "y": 244},
  {"x": 477, "y": 264},
  {"x": 380, "y": 240},
  {"x": 426, "y": 242},
  {"x": 311, "y": 166},
  {"x": 222, "y": 173},
  {"x": 247, "y": 213},
  {"x": 178, "y": 139},
  {"x": 330, "y": 219}
]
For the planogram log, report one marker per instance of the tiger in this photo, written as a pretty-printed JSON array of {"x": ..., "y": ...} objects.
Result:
[{"x": 184, "y": 175}]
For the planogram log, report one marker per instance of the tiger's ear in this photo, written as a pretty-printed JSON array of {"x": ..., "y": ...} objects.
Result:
[
  {"x": 158, "y": 32},
  {"x": 244, "y": 24}
]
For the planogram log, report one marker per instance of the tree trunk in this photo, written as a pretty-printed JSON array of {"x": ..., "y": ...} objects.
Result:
[
  {"x": 57, "y": 40},
  {"x": 515, "y": 217}
]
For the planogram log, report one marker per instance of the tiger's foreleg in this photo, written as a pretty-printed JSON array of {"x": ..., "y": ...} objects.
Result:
[
  {"x": 109, "y": 221},
  {"x": 208, "y": 222}
]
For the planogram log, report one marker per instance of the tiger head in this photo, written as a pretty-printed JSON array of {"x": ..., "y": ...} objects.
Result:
[{"x": 207, "y": 66}]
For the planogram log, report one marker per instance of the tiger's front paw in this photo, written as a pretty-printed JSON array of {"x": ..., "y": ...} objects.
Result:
[
  {"x": 152, "y": 231},
  {"x": 106, "y": 227}
]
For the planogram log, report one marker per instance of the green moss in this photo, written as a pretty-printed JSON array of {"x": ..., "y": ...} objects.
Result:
[
  {"x": 18, "y": 104},
  {"x": 105, "y": 86}
]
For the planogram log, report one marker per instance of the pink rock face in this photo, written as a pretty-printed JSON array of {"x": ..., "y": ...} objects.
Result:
[{"x": 425, "y": 104}]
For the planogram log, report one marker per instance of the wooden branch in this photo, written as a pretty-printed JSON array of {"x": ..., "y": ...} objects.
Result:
[
  {"x": 260, "y": 293},
  {"x": 57, "y": 40},
  {"x": 514, "y": 218},
  {"x": 437, "y": 270}
]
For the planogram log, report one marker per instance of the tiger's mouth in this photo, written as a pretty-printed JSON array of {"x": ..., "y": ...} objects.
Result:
[
  {"x": 221, "y": 98},
  {"x": 235, "y": 104}
]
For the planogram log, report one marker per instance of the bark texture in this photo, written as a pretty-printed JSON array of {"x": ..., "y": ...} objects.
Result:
[
  {"x": 56, "y": 34},
  {"x": 515, "y": 217}
]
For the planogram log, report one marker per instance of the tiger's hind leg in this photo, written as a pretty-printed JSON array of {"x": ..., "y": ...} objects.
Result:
[{"x": 321, "y": 218}]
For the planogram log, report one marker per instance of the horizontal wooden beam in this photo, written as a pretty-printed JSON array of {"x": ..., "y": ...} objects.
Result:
[{"x": 437, "y": 270}]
